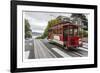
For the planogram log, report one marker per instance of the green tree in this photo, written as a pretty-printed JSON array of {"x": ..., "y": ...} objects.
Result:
[
  {"x": 83, "y": 18},
  {"x": 28, "y": 32},
  {"x": 50, "y": 24}
]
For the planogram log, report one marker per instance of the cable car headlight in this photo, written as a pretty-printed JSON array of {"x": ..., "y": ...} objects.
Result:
[{"x": 80, "y": 41}]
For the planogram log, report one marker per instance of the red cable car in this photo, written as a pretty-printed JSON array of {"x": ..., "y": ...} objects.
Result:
[{"x": 66, "y": 34}]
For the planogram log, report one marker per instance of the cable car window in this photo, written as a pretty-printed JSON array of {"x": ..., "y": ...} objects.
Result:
[
  {"x": 65, "y": 32},
  {"x": 71, "y": 32},
  {"x": 75, "y": 32}
]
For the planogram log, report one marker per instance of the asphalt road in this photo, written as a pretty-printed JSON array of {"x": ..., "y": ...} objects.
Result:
[{"x": 41, "y": 48}]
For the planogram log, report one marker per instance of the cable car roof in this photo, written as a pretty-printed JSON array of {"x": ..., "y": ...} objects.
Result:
[{"x": 65, "y": 25}]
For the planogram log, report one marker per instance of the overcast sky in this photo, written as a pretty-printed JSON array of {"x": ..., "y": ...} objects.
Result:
[{"x": 39, "y": 20}]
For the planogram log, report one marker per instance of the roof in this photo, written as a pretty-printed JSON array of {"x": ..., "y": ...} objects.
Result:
[{"x": 64, "y": 25}]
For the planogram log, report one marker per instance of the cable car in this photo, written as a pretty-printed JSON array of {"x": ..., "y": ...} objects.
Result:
[{"x": 65, "y": 34}]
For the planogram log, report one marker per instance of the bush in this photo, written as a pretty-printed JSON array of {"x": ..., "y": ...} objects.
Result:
[{"x": 28, "y": 34}]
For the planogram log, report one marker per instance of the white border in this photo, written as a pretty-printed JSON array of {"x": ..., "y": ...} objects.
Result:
[{"x": 56, "y": 61}]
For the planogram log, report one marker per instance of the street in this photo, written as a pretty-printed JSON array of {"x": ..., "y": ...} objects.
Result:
[{"x": 41, "y": 48}]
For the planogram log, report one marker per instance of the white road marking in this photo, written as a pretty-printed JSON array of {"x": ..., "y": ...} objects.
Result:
[
  {"x": 60, "y": 52},
  {"x": 41, "y": 49},
  {"x": 85, "y": 44},
  {"x": 47, "y": 49},
  {"x": 81, "y": 48},
  {"x": 36, "y": 49},
  {"x": 27, "y": 54},
  {"x": 77, "y": 53}
]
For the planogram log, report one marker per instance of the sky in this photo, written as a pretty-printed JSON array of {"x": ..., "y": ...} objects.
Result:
[{"x": 39, "y": 20}]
